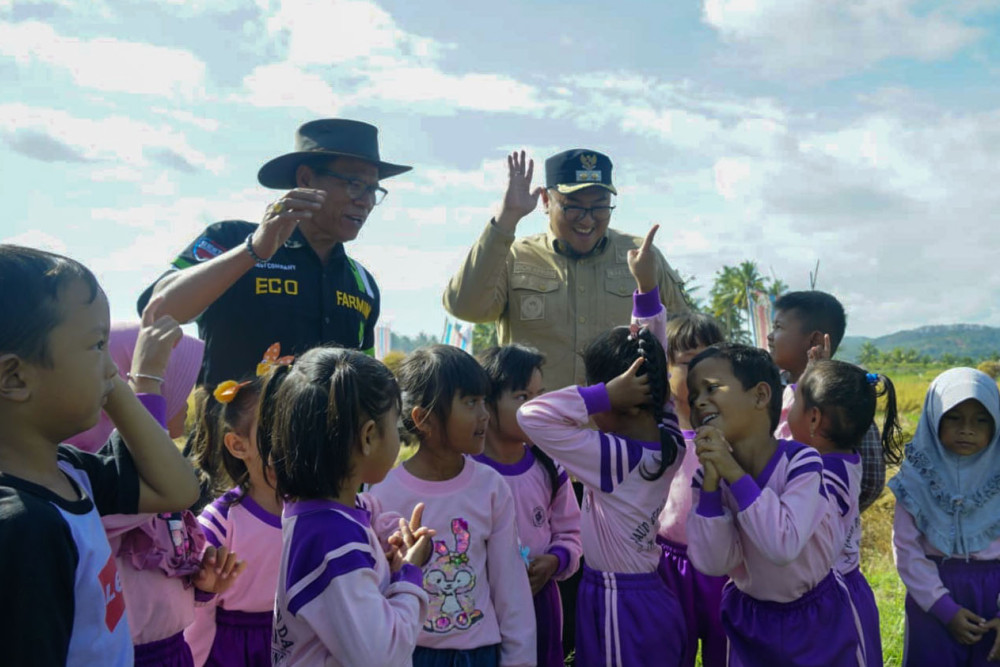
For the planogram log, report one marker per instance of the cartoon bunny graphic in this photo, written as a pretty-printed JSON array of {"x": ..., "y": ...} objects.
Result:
[{"x": 449, "y": 580}]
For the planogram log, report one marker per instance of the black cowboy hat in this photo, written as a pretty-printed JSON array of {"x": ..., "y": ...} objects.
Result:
[{"x": 336, "y": 137}]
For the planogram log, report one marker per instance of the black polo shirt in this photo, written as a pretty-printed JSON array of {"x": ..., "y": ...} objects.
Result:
[{"x": 292, "y": 299}]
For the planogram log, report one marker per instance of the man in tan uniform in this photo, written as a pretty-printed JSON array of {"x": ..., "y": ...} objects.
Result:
[{"x": 555, "y": 291}]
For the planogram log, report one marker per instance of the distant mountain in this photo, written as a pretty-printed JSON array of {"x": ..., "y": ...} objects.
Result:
[{"x": 962, "y": 340}]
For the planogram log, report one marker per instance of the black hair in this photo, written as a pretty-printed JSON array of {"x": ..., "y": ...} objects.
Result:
[
  {"x": 689, "y": 331},
  {"x": 847, "y": 396},
  {"x": 432, "y": 376},
  {"x": 219, "y": 469},
  {"x": 311, "y": 413},
  {"x": 510, "y": 369},
  {"x": 611, "y": 354},
  {"x": 751, "y": 366},
  {"x": 816, "y": 311},
  {"x": 30, "y": 285}
]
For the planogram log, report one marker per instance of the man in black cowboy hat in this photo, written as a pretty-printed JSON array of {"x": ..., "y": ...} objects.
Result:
[{"x": 287, "y": 279}]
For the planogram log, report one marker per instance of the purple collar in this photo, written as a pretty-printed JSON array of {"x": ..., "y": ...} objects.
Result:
[
  {"x": 322, "y": 504},
  {"x": 509, "y": 469}
]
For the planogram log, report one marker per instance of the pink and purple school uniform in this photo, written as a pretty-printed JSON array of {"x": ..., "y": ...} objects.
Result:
[
  {"x": 234, "y": 627},
  {"x": 945, "y": 533},
  {"x": 699, "y": 594},
  {"x": 625, "y": 614},
  {"x": 338, "y": 603},
  {"x": 157, "y": 556},
  {"x": 777, "y": 537},
  {"x": 548, "y": 522},
  {"x": 476, "y": 580},
  {"x": 842, "y": 474}
]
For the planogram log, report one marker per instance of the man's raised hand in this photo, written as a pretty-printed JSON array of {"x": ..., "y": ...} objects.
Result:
[{"x": 519, "y": 200}]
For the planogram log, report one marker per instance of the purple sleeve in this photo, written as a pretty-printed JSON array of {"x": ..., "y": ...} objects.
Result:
[
  {"x": 710, "y": 503},
  {"x": 945, "y": 609},
  {"x": 596, "y": 398},
  {"x": 564, "y": 522},
  {"x": 156, "y": 405},
  {"x": 646, "y": 305}
]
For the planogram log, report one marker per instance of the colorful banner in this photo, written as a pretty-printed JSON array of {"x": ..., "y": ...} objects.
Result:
[
  {"x": 761, "y": 312},
  {"x": 458, "y": 334},
  {"x": 383, "y": 340}
]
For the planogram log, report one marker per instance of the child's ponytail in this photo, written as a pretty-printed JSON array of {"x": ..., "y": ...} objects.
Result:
[
  {"x": 312, "y": 413},
  {"x": 892, "y": 432},
  {"x": 655, "y": 367}
]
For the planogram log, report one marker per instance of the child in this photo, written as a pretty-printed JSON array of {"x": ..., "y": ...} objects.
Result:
[
  {"x": 480, "y": 600},
  {"x": 160, "y": 557},
  {"x": 626, "y": 615},
  {"x": 834, "y": 406},
  {"x": 329, "y": 422},
  {"x": 763, "y": 517},
  {"x": 699, "y": 594},
  {"x": 548, "y": 515},
  {"x": 815, "y": 321},
  {"x": 234, "y": 628},
  {"x": 946, "y": 533},
  {"x": 55, "y": 376},
  {"x": 178, "y": 381}
]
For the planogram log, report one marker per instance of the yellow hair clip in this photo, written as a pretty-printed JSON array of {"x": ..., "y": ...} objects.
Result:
[{"x": 226, "y": 391}]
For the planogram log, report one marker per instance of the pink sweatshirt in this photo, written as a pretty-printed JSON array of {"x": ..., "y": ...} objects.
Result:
[
  {"x": 476, "y": 578},
  {"x": 337, "y": 603},
  {"x": 673, "y": 518},
  {"x": 545, "y": 524},
  {"x": 255, "y": 535},
  {"x": 919, "y": 573},
  {"x": 776, "y": 536},
  {"x": 842, "y": 475}
]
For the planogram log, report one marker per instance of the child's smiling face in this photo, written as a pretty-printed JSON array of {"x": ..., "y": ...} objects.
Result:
[
  {"x": 967, "y": 428},
  {"x": 717, "y": 397}
]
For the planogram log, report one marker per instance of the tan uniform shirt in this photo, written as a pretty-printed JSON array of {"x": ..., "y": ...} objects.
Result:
[{"x": 552, "y": 302}]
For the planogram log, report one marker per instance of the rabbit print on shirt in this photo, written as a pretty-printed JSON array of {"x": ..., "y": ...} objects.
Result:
[{"x": 449, "y": 580}]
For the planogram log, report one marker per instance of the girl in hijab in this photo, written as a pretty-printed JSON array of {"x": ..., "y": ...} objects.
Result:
[{"x": 946, "y": 532}]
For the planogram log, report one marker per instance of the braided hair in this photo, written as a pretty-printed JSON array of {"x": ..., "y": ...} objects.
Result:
[{"x": 611, "y": 354}]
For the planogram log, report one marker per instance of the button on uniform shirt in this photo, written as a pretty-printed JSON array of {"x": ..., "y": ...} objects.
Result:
[
  {"x": 553, "y": 302},
  {"x": 293, "y": 299}
]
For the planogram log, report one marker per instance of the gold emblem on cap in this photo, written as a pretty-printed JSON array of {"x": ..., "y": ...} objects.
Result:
[{"x": 588, "y": 161}]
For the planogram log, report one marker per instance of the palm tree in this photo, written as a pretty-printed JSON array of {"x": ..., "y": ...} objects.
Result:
[{"x": 729, "y": 296}]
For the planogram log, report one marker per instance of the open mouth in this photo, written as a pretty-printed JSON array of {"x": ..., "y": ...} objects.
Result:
[
  {"x": 583, "y": 231},
  {"x": 356, "y": 219},
  {"x": 479, "y": 433},
  {"x": 707, "y": 419}
]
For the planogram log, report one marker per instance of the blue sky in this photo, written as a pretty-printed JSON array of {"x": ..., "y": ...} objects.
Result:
[{"x": 861, "y": 133}]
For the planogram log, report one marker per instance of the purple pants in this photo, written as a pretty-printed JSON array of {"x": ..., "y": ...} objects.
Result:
[
  {"x": 700, "y": 596},
  {"x": 628, "y": 620},
  {"x": 820, "y": 629},
  {"x": 973, "y": 584},
  {"x": 170, "y": 652},
  {"x": 549, "y": 618},
  {"x": 864, "y": 603},
  {"x": 242, "y": 639}
]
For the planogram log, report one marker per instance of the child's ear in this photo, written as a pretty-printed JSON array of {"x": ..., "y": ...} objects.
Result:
[
  {"x": 14, "y": 378},
  {"x": 237, "y": 445},
  {"x": 815, "y": 339},
  {"x": 420, "y": 417},
  {"x": 815, "y": 416},
  {"x": 369, "y": 431},
  {"x": 762, "y": 396}
]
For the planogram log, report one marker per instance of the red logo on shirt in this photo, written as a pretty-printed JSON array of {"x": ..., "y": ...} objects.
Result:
[{"x": 114, "y": 601}]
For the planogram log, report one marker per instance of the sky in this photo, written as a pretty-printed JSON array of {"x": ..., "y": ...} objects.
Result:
[{"x": 862, "y": 134}]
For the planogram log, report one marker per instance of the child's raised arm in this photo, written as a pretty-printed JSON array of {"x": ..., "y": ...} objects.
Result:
[{"x": 167, "y": 482}]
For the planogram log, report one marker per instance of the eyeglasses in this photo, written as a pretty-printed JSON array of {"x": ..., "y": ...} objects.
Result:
[
  {"x": 356, "y": 189},
  {"x": 578, "y": 213}
]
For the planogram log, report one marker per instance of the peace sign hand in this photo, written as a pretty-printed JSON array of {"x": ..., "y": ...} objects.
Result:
[
  {"x": 642, "y": 262},
  {"x": 519, "y": 200}
]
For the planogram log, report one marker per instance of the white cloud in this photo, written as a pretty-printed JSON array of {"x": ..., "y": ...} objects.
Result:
[
  {"x": 288, "y": 85},
  {"x": 207, "y": 124},
  {"x": 829, "y": 38},
  {"x": 111, "y": 139},
  {"x": 106, "y": 64},
  {"x": 38, "y": 239}
]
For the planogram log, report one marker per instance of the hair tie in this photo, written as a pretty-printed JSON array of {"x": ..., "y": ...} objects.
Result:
[
  {"x": 872, "y": 378},
  {"x": 633, "y": 331}
]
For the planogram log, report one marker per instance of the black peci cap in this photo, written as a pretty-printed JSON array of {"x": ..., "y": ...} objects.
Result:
[{"x": 577, "y": 169}]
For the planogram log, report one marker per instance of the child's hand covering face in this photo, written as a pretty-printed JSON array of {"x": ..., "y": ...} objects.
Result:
[{"x": 629, "y": 390}]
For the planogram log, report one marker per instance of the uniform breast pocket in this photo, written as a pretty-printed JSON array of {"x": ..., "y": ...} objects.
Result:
[
  {"x": 617, "y": 306},
  {"x": 536, "y": 296}
]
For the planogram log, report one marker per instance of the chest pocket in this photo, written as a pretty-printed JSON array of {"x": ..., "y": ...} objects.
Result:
[
  {"x": 534, "y": 291},
  {"x": 619, "y": 281}
]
